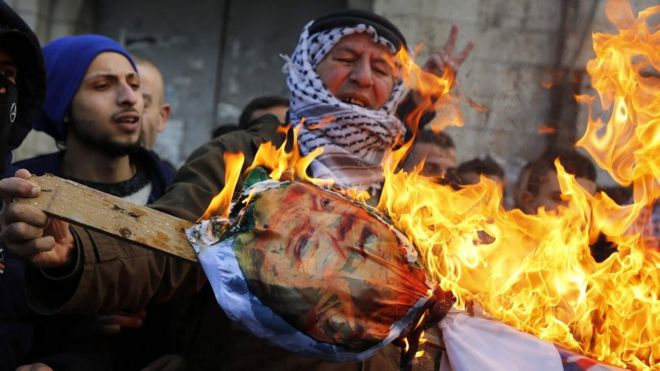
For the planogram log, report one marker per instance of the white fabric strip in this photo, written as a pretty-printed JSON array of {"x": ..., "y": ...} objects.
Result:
[{"x": 475, "y": 343}]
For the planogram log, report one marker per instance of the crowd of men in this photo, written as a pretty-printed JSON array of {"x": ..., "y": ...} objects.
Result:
[{"x": 74, "y": 299}]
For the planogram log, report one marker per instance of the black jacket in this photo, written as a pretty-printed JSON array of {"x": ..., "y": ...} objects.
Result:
[{"x": 18, "y": 39}]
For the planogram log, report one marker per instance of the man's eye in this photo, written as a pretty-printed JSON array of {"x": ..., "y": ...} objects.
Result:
[
  {"x": 344, "y": 60},
  {"x": 380, "y": 71},
  {"x": 101, "y": 86}
]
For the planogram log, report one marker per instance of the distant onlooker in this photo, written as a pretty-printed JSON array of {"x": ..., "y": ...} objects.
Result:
[
  {"x": 156, "y": 110},
  {"x": 543, "y": 187},
  {"x": 436, "y": 151},
  {"x": 470, "y": 172},
  {"x": 543, "y": 190},
  {"x": 266, "y": 105}
]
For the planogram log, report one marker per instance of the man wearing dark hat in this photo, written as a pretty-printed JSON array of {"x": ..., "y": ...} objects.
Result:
[
  {"x": 22, "y": 82},
  {"x": 343, "y": 74},
  {"x": 22, "y": 92}
]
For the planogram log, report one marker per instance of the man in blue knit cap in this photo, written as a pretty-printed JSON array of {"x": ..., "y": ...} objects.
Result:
[{"x": 93, "y": 110}]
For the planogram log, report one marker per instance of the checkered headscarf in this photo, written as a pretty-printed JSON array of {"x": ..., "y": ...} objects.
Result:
[{"x": 354, "y": 138}]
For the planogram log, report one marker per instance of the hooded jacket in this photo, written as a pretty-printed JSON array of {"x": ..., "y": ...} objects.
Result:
[{"x": 17, "y": 39}]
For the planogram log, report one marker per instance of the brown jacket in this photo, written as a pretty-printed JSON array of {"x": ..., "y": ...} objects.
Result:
[{"x": 112, "y": 275}]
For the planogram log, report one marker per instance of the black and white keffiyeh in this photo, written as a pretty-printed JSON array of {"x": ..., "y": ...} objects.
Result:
[{"x": 354, "y": 138}]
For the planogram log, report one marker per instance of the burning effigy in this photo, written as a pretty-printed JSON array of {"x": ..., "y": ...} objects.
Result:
[
  {"x": 316, "y": 272},
  {"x": 535, "y": 272}
]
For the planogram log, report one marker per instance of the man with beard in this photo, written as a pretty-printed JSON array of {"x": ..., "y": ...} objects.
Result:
[
  {"x": 93, "y": 110},
  {"x": 342, "y": 74}
]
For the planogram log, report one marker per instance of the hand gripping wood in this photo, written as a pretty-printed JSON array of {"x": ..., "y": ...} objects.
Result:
[{"x": 87, "y": 207}]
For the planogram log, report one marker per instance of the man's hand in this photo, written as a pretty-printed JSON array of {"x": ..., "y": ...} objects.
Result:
[
  {"x": 28, "y": 232},
  {"x": 445, "y": 58},
  {"x": 113, "y": 323}
]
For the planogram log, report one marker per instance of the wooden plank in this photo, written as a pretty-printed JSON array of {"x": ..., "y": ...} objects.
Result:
[{"x": 87, "y": 207}]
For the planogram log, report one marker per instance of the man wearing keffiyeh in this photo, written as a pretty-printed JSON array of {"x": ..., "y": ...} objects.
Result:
[
  {"x": 345, "y": 88},
  {"x": 345, "y": 84}
]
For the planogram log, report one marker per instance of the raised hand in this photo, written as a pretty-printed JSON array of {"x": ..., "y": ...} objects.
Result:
[{"x": 445, "y": 58}]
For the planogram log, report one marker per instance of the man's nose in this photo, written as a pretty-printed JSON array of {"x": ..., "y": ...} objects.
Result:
[
  {"x": 361, "y": 73},
  {"x": 127, "y": 95}
]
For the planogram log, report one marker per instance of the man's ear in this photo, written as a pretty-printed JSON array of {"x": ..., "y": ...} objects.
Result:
[{"x": 165, "y": 112}]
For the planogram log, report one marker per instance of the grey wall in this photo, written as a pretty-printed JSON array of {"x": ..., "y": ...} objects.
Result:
[{"x": 257, "y": 33}]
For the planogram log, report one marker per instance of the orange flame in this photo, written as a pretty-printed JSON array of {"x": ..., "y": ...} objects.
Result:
[
  {"x": 543, "y": 129},
  {"x": 287, "y": 165},
  {"x": 535, "y": 272},
  {"x": 431, "y": 92},
  {"x": 220, "y": 203},
  {"x": 284, "y": 165}
]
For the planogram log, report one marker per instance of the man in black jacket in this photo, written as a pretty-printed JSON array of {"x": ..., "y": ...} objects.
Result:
[
  {"x": 22, "y": 82},
  {"x": 22, "y": 92}
]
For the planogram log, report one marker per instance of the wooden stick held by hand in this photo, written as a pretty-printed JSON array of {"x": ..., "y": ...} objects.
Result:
[{"x": 87, "y": 207}]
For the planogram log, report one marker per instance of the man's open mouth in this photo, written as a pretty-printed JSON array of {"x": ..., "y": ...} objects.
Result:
[
  {"x": 127, "y": 118},
  {"x": 354, "y": 101}
]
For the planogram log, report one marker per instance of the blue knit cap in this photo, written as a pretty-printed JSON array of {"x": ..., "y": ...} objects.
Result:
[{"x": 67, "y": 60}]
